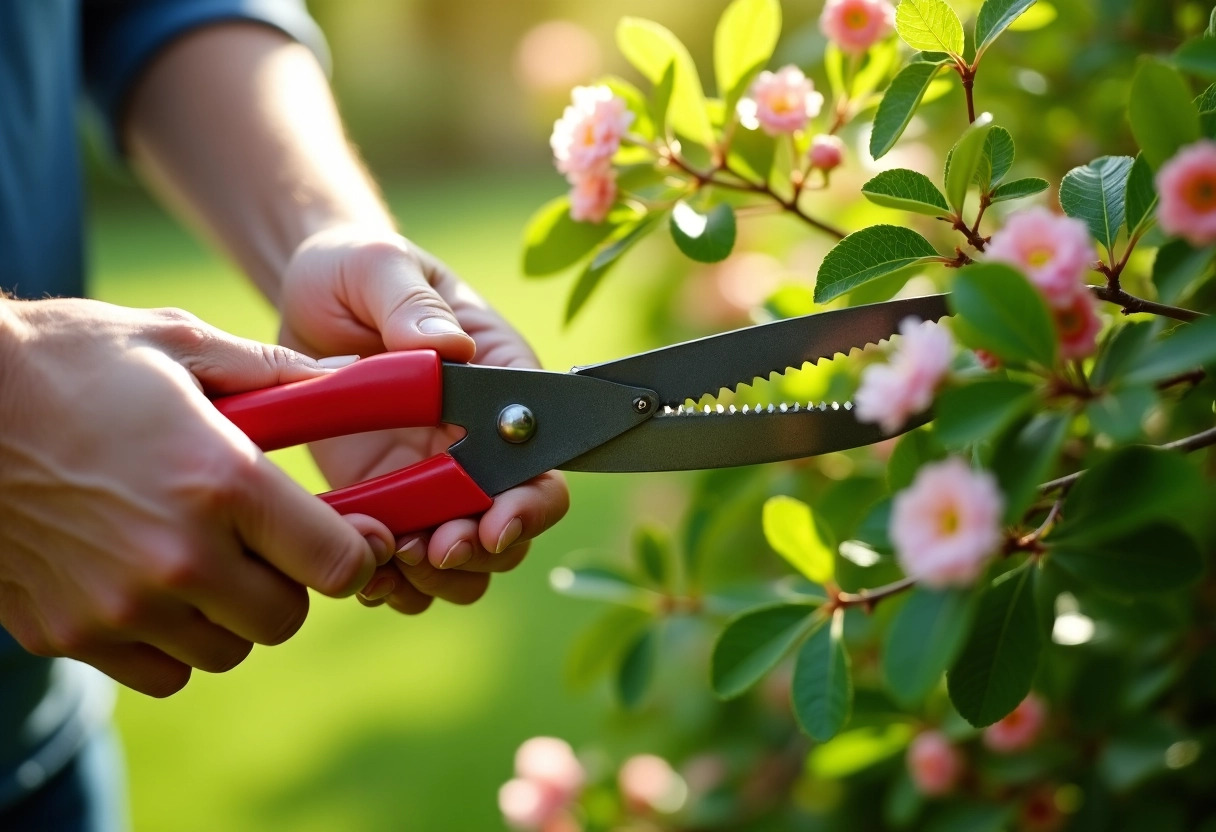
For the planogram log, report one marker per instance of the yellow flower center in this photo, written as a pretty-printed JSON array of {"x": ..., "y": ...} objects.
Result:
[
  {"x": 1039, "y": 257},
  {"x": 948, "y": 521},
  {"x": 856, "y": 18}
]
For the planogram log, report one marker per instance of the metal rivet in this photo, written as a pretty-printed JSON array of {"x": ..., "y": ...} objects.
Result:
[
  {"x": 516, "y": 424},
  {"x": 642, "y": 404}
]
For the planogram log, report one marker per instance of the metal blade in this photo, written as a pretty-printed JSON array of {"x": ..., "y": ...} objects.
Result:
[
  {"x": 670, "y": 442},
  {"x": 707, "y": 365}
]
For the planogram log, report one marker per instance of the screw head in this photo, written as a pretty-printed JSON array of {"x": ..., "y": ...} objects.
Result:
[
  {"x": 642, "y": 404},
  {"x": 516, "y": 424}
]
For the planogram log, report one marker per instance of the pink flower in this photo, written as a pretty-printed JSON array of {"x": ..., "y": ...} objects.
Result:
[
  {"x": 935, "y": 764},
  {"x": 592, "y": 194},
  {"x": 946, "y": 524},
  {"x": 1077, "y": 326},
  {"x": 1019, "y": 729},
  {"x": 856, "y": 25},
  {"x": 648, "y": 783},
  {"x": 1187, "y": 188},
  {"x": 589, "y": 132},
  {"x": 528, "y": 804},
  {"x": 1053, "y": 251},
  {"x": 826, "y": 152},
  {"x": 780, "y": 102},
  {"x": 892, "y": 392},
  {"x": 551, "y": 761}
]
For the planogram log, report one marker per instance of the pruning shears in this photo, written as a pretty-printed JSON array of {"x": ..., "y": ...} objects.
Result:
[{"x": 623, "y": 415}]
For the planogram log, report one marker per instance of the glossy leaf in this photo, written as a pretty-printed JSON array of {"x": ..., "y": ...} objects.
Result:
[
  {"x": 637, "y": 669},
  {"x": 600, "y": 645},
  {"x": 1197, "y": 57},
  {"x": 1121, "y": 348},
  {"x": 1188, "y": 347},
  {"x": 1019, "y": 188},
  {"x": 898, "y": 104},
  {"x": 1162, "y": 115},
  {"x": 1178, "y": 267},
  {"x": 964, "y": 160},
  {"x": 744, "y": 41},
  {"x": 858, "y": 749},
  {"x": 789, "y": 527},
  {"x": 605, "y": 258},
  {"x": 660, "y": 100},
  {"x": 597, "y": 584},
  {"x": 553, "y": 241},
  {"x": 1141, "y": 196},
  {"x": 706, "y": 238},
  {"x": 999, "y": 311},
  {"x": 869, "y": 253},
  {"x": 908, "y": 190},
  {"x": 652, "y": 549},
  {"x": 930, "y": 25},
  {"x": 923, "y": 640},
  {"x": 752, "y": 153},
  {"x": 1151, "y": 559},
  {"x": 994, "y": 672},
  {"x": 913, "y": 450},
  {"x": 996, "y": 159},
  {"x": 754, "y": 641},
  {"x": 822, "y": 691},
  {"x": 1025, "y": 457},
  {"x": 1120, "y": 413},
  {"x": 979, "y": 410},
  {"x": 994, "y": 17},
  {"x": 651, "y": 48},
  {"x": 1095, "y": 194}
]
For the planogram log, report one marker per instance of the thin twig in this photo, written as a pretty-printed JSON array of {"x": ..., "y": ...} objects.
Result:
[
  {"x": 1187, "y": 444},
  {"x": 869, "y": 597},
  {"x": 1130, "y": 304}
]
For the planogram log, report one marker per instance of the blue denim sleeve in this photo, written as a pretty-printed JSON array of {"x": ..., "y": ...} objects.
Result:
[{"x": 121, "y": 37}]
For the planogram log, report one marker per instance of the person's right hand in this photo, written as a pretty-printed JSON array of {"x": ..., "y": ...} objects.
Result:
[{"x": 140, "y": 531}]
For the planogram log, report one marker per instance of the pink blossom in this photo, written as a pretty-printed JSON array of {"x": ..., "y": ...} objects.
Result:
[
  {"x": 592, "y": 194},
  {"x": 890, "y": 393},
  {"x": 856, "y": 25},
  {"x": 589, "y": 132},
  {"x": 934, "y": 763},
  {"x": 1187, "y": 188},
  {"x": 648, "y": 783},
  {"x": 551, "y": 761},
  {"x": 1053, "y": 251},
  {"x": 528, "y": 804},
  {"x": 1019, "y": 729},
  {"x": 947, "y": 523},
  {"x": 1077, "y": 326},
  {"x": 780, "y": 102},
  {"x": 826, "y": 152}
]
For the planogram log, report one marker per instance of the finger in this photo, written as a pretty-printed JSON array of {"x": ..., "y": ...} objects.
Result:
[
  {"x": 254, "y": 601},
  {"x": 452, "y": 585},
  {"x": 504, "y": 561},
  {"x": 412, "y": 549},
  {"x": 379, "y": 537},
  {"x": 197, "y": 642},
  {"x": 524, "y": 512},
  {"x": 408, "y": 599},
  {"x": 139, "y": 666},
  {"x": 383, "y": 581},
  {"x": 453, "y": 544},
  {"x": 300, "y": 535}
]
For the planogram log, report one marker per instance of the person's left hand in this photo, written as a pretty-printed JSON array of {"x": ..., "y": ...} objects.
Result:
[{"x": 353, "y": 291}]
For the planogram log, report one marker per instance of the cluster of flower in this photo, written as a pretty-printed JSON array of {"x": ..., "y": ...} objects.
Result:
[
  {"x": 1186, "y": 186},
  {"x": 584, "y": 141}
]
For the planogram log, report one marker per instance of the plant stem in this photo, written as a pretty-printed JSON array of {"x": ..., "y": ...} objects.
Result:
[
  {"x": 1187, "y": 444},
  {"x": 1130, "y": 303},
  {"x": 867, "y": 598},
  {"x": 967, "y": 73}
]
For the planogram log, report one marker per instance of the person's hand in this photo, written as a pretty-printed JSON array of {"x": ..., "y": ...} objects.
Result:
[
  {"x": 140, "y": 531},
  {"x": 362, "y": 292}
]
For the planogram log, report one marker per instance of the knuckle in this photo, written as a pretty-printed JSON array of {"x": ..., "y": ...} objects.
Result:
[
  {"x": 70, "y": 637},
  {"x": 341, "y": 570},
  {"x": 176, "y": 567},
  {"x": 126, "y": 611},
  {"x": 427, "y": 578},
  {"x": 472, "y": 590}
]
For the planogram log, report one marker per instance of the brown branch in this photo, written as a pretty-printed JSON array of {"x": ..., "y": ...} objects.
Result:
[
  {"x": 1131, "y": 304},
  {"x": 1187, "y": 444},
  {"x": 867, "y": 598}
]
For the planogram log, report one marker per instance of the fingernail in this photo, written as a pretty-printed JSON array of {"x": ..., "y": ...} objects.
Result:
[
  {"x": 379, "y": 548},
  {"x": 411, "y": 552},
  {"x": 337, "y": 362},
  {"x": 509, "y": 535},
  {"x": 378, "y": 588},
  {"x": 439, "y": 326},
  {"x": 458, "y": 555}
]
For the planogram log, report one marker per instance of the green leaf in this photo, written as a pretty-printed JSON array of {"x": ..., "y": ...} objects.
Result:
[
  {"x": 996, "y": 160},
  {"x": 1120, "y": 413},
  {"x": 999, "y": 311},
  {"x": 1162, "y": 115},
  {"x": 869, "y": 253},
  {"x": 964, "y": 160},
  {"x": 637, "y": 670},
  {"x": 979, "y": 410},
  {"x": 597, "y": 584},
  {"x": 1205, "y": 102},
  {"x": 1151, "y": 559},
  {"x": 636, "y": 101},
  {"x": 652, "y": 548},
  {"x": 996, "y": 667},
  {"x": 601, "y": 645},
  {"x": 823, "y": 689},
  {"x": 1198, "y": 57},
  {"x": 752, "y": 152},
  {"x": 930, "y": 25},
  {"x": 1188, "y": 347},
  {"x": 1019, "y": 188},
  {"x": 605, "y": 259},
  {"x": 859, "y": 749},
  {"x": 660, "y": 100},
  {"x": 651, "y": 48},
  {"x": 1119, "y": 350},
  {"x": 553, "y": 241},
  {"x": 923, "y": 640},
  {"x": 994, "y": 17},
  {"x": 1095, "y": 194},
  {"x": 706, "y": 238},
  {"x": 1177, "y": 267},
  {"x": 1024, "y": 458},
  {"x": 744, "y": 41},
  {"x": 898, "y": 104},
  {"x": 908, "y": 190},
  {"x": 754, "y": 641},
  {"x": 913, "y": 450},
  {"x": 1141, "y": 196},
  {"x": 789, "y": 528}
]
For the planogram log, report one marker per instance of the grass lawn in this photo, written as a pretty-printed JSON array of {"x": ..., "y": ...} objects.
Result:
[{"x": 368, "y": 720}]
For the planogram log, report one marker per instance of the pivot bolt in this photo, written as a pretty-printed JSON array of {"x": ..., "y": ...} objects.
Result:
[
  {"x": 516, "y": 424},
  {"x": 642, "y": 404}
]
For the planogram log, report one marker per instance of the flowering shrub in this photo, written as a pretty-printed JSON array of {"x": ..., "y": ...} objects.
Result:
[{"x": 1001, "y": 619}]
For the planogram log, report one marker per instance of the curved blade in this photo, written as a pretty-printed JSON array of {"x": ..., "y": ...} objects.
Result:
[
  {"x": 721, "y": 440},
  {"x": 706, "y": 365}
]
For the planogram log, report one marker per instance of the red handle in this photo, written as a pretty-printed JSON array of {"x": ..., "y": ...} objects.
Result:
[{"x": 391, "y": 390}]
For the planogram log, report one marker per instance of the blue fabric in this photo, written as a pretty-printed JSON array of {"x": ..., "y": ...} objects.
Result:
[{"x": 53, "y": 53}]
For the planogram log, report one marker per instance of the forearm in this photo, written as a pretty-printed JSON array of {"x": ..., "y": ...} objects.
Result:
[{"x": 236, "y": 128}]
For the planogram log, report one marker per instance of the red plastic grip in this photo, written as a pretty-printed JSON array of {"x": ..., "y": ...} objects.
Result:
[
  {"x": 423, "y": 495},
  {"x": 391, "y": 390}
]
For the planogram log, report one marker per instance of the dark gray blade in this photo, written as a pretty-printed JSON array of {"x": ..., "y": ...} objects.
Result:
[
  {"x": 706, "y": 365},
  {"x": 670, "y": 442}
]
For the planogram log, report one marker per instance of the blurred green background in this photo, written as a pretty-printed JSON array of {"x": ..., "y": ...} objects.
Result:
[{"x": 372, "y": 721}]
